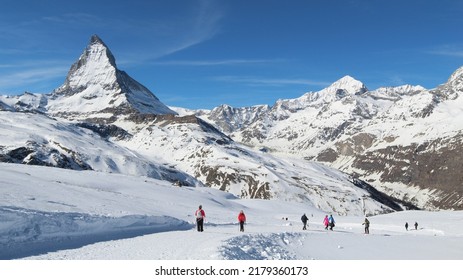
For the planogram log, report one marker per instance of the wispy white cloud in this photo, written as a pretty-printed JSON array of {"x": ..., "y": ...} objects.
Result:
[
  {"x": 6, "y": 65},
  {"x": 151, "y": 38},
  {"x": 448, "y": 50},
  {"x": 270, "y": 81},
  {"x": 216, "y": 62},
  {"x": 23, "y": 78},
  {"x": 200, "y": 26},
  {"x": 158, "y": 38},
  {"x": 455, "y": 53},
  {"x": 74, "y": 18},
  {"x": 12, "y": 51}
]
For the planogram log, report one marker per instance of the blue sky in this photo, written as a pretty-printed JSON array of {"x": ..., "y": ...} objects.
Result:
[{"x": 204, "y": 53}]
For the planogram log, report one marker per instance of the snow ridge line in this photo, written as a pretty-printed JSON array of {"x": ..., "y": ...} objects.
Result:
[{"x": 26, "y": 232}]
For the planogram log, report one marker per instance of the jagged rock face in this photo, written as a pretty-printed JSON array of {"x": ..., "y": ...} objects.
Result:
[
  {"x": 231, "y": 119},
  {"x": 43, "y": 154},
  {"x": 434, "y": 165},
  {"x": 404, "y": 140},
  {"x": 95, "y": 88}
]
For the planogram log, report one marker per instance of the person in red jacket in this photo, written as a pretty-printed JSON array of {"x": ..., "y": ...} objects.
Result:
[
  {"x": 242, "y": 220},
  {"x": 200, "y": 216}
]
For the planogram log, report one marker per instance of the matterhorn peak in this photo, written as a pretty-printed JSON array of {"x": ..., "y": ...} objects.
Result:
[
  {"x": 96, "y": 40},
  {"x": 94, "y": 86},
  {"x": 97, "y": 46},
  {"x": 96, "y": 65},
  {"x": 349, "y": 84}
]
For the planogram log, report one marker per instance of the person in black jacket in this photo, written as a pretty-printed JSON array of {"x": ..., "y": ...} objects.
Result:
[
  {"x": 367, "y": 226},
  {"x": 304, "y": 220}
]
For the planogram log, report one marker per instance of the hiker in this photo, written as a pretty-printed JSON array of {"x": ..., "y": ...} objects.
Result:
[
  {"x": 304, "y": 220},
  {"x": 241, "y": 220},
  {"x": 326, "y": 222},
  {"x": 331, "y": 222},
  {"x": 367, "y": 226},
  {"x": 200, "y": 216},
  {"x": 416, "y": 226},
  {"x": 406, "y": 225}
]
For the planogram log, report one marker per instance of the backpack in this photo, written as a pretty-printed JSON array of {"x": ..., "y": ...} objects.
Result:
[{"x": 199, "y": 214}]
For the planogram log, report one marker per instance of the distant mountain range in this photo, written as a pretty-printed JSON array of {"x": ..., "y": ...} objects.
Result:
[
  {"x": 396, "y": 140},
  {"x": 406, "y": 141}
]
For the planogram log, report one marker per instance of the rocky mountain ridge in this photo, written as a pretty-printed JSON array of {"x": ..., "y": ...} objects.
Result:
[{"x": 405, "y": 141}]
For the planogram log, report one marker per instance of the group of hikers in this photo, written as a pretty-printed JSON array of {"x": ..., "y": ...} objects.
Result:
[
  {"x": 201, "y": 215},
  {"x": 406, "y": 226},
  {"x": 328, "y": 221}
]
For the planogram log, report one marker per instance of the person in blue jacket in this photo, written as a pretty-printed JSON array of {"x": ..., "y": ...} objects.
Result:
[{"x": 331, "y": 222}]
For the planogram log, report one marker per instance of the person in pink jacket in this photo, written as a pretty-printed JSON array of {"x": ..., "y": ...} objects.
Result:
[
  {"x": 242, "y": 220},
  {"x": 326, "y": 222}
]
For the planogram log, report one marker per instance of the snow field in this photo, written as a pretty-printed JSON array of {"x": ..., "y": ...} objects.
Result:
[{"x": 50, "y": 213}]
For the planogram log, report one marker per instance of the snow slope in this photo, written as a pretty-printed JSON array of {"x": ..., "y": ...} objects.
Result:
[
  {"x": 51, "y": 213},
  {"x": 37, "y": 139}
]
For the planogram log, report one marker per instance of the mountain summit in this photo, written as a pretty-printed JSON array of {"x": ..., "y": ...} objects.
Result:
[
  {"x": 349, "y": 84},
  {"x": 96, "y": 87}
]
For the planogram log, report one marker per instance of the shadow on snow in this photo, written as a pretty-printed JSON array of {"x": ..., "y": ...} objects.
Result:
[{"x": 26, "y": 232}]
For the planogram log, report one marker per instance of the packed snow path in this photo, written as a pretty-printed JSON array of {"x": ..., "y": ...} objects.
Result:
[{"x": 262, "y": 242}]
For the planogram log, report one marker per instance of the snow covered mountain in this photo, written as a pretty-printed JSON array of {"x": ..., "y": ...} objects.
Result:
[
  {"x": 230, "y": 119},
  {"x": 405, "y": 141},
  {"x": 95, "y": 88},
  {"x": 101, "y": 119},
  {"x": 35, "y": 139}
]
